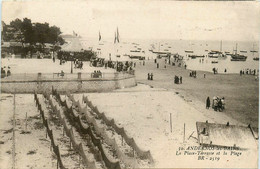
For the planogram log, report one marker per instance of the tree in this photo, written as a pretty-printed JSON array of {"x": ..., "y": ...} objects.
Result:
[
  {"x": 27, "y": 29},
  {"x": 27, "y": 32}
]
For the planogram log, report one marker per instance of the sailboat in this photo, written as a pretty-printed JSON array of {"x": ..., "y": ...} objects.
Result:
[
  {"x": 254, "y": 51},
  {"x": 217, "y": 54},
  {"x": 116, "y": 40},
  {"x": 238, "y": 57}
]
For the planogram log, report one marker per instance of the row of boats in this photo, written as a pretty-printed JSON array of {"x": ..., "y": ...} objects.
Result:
[{"x": 219, "y": 54}]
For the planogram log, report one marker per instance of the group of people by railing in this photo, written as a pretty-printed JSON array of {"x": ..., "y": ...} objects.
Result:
[
  {"x": 78, "y": 64},
  {"x": 96, "y": 74},
  {"x": 120, "y": 66},
  {"x": 4, "y": 72}
]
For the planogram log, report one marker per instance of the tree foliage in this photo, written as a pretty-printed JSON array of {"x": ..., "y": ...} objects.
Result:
[{"x": 27, "y": 32}]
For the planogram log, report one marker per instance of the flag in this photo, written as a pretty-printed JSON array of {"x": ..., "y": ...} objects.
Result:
[
  {"x": 115, "y": 38},
  {"x": 117, "y": 35},
  {"x": 99, "y": 37}
]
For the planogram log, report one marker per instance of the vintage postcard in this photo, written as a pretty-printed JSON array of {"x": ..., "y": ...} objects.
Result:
[{"x": 129, "y": 84}]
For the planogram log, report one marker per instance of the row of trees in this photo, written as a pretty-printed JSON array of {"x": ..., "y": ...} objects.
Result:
[{"x": 25, "y": 31}]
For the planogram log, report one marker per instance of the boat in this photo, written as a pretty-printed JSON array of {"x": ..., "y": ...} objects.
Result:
[
  {"x": 196, "y": 56},
  {"x": 135, "y": 51},
  {"x": 136, "y": 57},
  {"x": 256, "y": 58},
  {"x": 161, "y": 53},
  {"x": 253, "y": 51},
  {"x": 118, "y": 56},
  {"x": 214, "y": 61},
  {"x": 217, "y": 54},
  {"x": 188, "y": 51},
  {"x": 238, "y": 57},
  {"x": 243, "y": 51},
  {"x": 214, "y": 54}
]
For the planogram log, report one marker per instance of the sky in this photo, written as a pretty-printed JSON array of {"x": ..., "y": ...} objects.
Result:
[{"x": 187, "y": 20}]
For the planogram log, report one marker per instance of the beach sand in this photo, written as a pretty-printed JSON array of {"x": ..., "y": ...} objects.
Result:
[{"x": 144, "y": 112}]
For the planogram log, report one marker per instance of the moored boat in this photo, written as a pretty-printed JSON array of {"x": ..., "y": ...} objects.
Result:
[
  {"x": 238, "y": 57},
  {"x": 196, "y": 56},
  {"x": 188, "y": 51}
]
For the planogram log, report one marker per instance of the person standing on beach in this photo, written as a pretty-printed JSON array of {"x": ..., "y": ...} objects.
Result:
[
  {"x": 157, "y": 65},
  {"x": 208, "y": 103},
  {"x": 151, "y": 77},
  {"x": 180, "y": 79},
  {"x": 204, "y": 75},
  {"x": 148, "y": 76}
]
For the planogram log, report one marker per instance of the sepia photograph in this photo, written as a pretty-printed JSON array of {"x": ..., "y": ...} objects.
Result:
[{"x": 129, "y": 84}]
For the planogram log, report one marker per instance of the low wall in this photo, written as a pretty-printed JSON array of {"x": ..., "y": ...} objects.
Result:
[{"x": 74, "y": 86}]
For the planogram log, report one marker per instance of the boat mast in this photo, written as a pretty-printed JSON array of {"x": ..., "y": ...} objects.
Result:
[
  {"x": 221, "y": 46},
  {"x": 253, "y": 49},
  {"x": 236, "y": 48}
]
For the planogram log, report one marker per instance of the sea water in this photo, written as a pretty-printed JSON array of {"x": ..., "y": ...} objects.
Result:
[{"x": 108, "y": 49}]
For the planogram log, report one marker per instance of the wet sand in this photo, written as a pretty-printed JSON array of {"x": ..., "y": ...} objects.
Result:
[{"x": 240, "y": 92}]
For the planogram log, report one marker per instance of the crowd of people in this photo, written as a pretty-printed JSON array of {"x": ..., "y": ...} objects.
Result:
[
  {"x": 78, "y": 64},
  {"x": 120, "y": 66},
  {"x": 150, "y": 76},
  {"x": 193, "y": 73},
  {"x": 177, "y": 79},
  {"x": 249, "y": 72},
  {"x": 218, "y": 104}
]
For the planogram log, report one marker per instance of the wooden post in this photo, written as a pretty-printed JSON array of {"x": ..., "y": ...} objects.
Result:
[
  {"x": 70, "y": 144},
  {"x": 26, "y": 122},
  {"x": 57, "y": 163},
  {"x": 79, "y": 160},
  {"x": 184, "y": 134},
  {"x": 171, "y": 121},
  {"x": 13, "y": 150}
]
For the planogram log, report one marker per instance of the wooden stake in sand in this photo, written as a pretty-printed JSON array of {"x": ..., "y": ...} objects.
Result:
[
  {"x": 26, "y": 122},
  {"x": 171, "y": 122},
  {"x": 184, "y": 134},
  {"x": 13, "y": 152}
]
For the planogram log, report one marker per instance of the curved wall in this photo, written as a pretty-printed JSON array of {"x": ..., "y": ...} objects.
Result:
[{"x": 74, "y": 86}]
